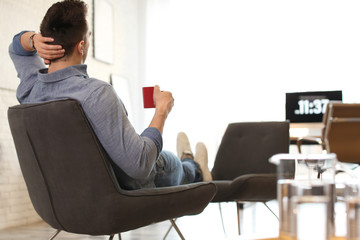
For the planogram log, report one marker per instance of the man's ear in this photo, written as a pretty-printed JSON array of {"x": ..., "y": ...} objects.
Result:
[{"x": 80, "y": 47}]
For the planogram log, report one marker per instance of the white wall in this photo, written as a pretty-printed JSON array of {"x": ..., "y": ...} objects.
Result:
[
  {"x": 229, "y": 61},
  {"x": 15, "y": 205}
]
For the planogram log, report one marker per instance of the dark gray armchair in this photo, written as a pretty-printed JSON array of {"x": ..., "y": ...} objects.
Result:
[
  {"x": 242, "y": 172},
  {"x": 70, "y": 180}
]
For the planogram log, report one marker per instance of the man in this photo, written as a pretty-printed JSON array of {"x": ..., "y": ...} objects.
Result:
[{"x": 63, "y": 43}]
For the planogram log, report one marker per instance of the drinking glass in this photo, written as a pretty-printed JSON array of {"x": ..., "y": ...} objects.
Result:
[
  {"x": 352, "y": 200},
  {"x": 313, "y": 168},
  {"x": 312, "y": 208}
]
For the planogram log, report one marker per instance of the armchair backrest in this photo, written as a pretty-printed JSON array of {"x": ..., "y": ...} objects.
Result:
[
  {"x": 247, "y": 146},
  {"x": 341, "y": 133},
  {"x": 59, "y": 158}
]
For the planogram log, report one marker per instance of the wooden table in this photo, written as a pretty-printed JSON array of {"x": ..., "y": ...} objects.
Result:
[{"x": 334, "y": 238}]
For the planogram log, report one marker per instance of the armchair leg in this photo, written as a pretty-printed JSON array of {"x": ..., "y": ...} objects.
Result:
[
  {"x": 271, "y": 210},
  {"x": 222, "y": 219},
  {"x": 168, "y": 231},
  {"x": 55, "y": 234},
  {"x": 173, "y": 225},
  {"x": 112, "y": 236},
  {"x": 177, "y": 229},
  {"x": 240, "y": 208}
]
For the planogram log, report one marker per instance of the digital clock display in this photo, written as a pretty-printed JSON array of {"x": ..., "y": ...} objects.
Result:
[{"x": 309, "y": 106}]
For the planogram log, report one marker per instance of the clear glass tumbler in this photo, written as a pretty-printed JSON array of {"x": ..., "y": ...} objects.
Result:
[{"x": 292, "y": 168}]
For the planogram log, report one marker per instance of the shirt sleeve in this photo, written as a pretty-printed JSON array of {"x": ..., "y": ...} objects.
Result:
[
  {"x": 27, "y": 65},
  {"x": 135, "y": 154},
  {"x": 155, "y": 135},
  {"x": 18, "y": 48}
]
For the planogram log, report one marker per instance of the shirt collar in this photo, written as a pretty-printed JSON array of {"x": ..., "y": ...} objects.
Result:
[{"x": 75, "y": 70}]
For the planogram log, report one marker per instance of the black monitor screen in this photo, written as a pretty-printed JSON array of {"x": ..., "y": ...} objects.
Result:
[{"x": 303, "y": 107}]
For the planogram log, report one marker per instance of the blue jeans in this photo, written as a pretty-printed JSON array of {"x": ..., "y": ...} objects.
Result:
[
  {"x": 168, "y": 171},
  {"x": 171, "y": 171}
]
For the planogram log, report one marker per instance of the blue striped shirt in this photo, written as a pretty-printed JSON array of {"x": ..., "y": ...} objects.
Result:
[{"x": 135, "y": 154}]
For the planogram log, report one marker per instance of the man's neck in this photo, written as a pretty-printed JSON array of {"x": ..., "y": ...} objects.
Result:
[{"x": 61, "y": 64}]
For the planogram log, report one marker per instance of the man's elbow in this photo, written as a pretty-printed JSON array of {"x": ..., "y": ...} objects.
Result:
[
  {"x": 144, "y": 166},
  {"x": 140, "y": 173}
]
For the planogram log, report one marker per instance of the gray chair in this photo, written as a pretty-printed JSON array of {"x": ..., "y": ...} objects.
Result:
[
  {"x": 242, "y": 172},
  {"x": 71, "y": 182}
]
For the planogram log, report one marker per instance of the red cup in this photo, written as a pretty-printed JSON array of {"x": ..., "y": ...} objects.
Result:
[{"x": 148, "y": 97}]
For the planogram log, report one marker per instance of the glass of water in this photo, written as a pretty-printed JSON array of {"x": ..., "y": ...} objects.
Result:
[
  {"x": 291, "y": 168},
  {"x": 312, "y": 208},
  {"x": 352, "y": 201}
]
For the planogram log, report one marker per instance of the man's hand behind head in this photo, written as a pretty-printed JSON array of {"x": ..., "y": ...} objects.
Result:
[{"x": 47, "y": 51}]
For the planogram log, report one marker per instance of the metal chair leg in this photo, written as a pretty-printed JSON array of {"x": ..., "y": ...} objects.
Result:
[
  {"x": 177, "y": 229},
  {"x": 113, "y": 235},
  {"x": 271, "y": 210},
  {"x": 55, "y": 234},
  {"x": 168, "y": 231},
  {"x": 222, "y": 219},
  {"x": 240, "y": 208},
  {"x": 173, "y": 225}
]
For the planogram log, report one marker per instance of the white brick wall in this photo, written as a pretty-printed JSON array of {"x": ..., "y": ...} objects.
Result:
[{"x": 15, "y": 205}]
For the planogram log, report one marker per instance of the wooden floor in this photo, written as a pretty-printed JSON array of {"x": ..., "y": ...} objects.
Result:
[{"x": 257, "y": 222}]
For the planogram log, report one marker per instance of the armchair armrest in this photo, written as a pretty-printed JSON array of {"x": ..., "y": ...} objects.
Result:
[
  {"x": 170, "y": 190},
  {"x": 313, "y": 140}
]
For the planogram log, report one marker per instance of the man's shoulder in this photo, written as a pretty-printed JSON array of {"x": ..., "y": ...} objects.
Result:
[
  {"x": 97, "y": 82},
  {"x": 96, "y": 85},
  {"x": 96, "y": 89}
]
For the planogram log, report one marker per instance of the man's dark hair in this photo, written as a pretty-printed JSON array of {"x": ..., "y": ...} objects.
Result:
[{"x": 65, "y": 21}]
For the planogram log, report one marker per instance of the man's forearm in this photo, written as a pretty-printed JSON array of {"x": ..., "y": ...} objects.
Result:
[
  {"x": 25, "y": 41},
  {"x": 158, "y": 121}
]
